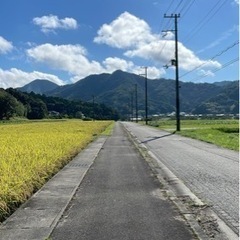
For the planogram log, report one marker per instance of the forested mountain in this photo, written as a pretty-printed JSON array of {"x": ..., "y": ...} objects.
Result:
[
  {"x": 36, "y": 106},
  {"x": 39, "y": 86},
  {"x": 227, "y": 101},
  {"x": 117, "y": 90}
]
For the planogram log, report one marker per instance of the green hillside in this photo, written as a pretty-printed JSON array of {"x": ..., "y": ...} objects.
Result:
[{"x": 115, "y": 90}]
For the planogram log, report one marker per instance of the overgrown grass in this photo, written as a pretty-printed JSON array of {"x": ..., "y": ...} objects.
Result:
[
  {"x": 224, "y": 133},
  {"x": 31, "y": 153},
  {"x": 108, "y": 131}
]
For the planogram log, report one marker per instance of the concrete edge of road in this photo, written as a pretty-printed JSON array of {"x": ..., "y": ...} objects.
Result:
[{"x": 199, "y": 216}]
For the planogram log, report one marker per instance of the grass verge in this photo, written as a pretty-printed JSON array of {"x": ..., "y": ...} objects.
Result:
[
  {"x": 224, "y": 133},
  {"x": 108, "y": 131}
]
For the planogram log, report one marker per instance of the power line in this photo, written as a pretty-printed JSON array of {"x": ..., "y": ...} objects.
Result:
[
  {"x": 206, "y": 18},
  {"x": 168, "y": 25},
  {"x": 169, "y": 6},
  {"x": 216, "y": 69},
  {"x": 164, "y": 25},
  {"x": 179, "y": 4},
  {"x": 169, "y": 20},
  {"x": 226, "y": 64},
  {"x": 215, "y": 56},
  {"x": 188, "y": 5}
]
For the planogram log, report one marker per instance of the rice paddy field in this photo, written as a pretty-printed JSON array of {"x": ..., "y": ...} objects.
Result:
[
  {"x": 224, "y": 133},
  {"x": 32, "y": 152}
]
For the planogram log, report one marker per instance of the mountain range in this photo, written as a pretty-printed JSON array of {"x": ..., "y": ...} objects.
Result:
[{"x": 118, "y": 90}]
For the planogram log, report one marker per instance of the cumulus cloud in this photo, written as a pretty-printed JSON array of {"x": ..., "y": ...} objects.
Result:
[
  {"x": 206, "y": 73},
  {"x": 113, "y": 63},
  {"x": 74, "y": 60},
  {"x": 188, "y": 60},
  {"x": 70, "y": 58},
  {"x": 124, "y": 32},
  {"x": 5, "y": 46},
  {"x": 51, "y": 23},
  {"x": 152, "y": 72},
  {"x": 134, "y": 35},
  {"x": 158, "y": 51},
  {"x": 17, "y": 78},
  {"x": 162, "y": 52}
]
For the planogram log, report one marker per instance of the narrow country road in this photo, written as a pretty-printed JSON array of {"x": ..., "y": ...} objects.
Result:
[
  {"x": 120, "y": 198},
  {"x": 210, "y": 172}
]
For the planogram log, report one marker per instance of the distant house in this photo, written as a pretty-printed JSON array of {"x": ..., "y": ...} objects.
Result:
[{"x": 53, "y": 114}]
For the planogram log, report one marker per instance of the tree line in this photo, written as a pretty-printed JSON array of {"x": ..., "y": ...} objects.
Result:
[{"x": 14, "y": 103}]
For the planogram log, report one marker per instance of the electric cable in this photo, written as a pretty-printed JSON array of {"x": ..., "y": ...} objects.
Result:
[
  {"x": 215, "y": 56},
  {"x": 216, "y": 69},
  {"x": 206, "y": 19}
]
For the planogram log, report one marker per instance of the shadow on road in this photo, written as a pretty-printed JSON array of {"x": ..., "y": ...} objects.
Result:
[{"x": 156, "y": 138}]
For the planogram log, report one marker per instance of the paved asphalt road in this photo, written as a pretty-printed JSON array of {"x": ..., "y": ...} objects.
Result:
[
  {"x": 120, "y": 198},
  {"x": 212, "y": 173}
]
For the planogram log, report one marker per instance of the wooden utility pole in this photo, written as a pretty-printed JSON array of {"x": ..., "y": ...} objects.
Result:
[
  {"x": 146, "y": 95},
  {"x": 175, "y": 63},
  {"x": 136, "y": 102}
]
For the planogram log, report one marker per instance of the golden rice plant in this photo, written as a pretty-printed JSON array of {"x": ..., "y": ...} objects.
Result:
[{"x": 31, "y": 153}]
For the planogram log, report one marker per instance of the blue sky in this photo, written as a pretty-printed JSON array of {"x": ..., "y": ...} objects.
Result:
[{"x": 66, "y": 40}]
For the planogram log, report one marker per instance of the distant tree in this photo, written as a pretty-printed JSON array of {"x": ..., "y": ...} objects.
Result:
[
  {"x": 20, "y": 110},
  {"x": 8, "y": 105},
  {"x": 38, "y": 109},
  {"x": 79, "y": 115},
  {"x": 36, "y": 106}
]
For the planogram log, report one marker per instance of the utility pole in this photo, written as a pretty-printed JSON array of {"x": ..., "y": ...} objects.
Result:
[
  {"x": 175, "y": 63},
  {"x": 136, "y": 102},
  {"x": 146, "y": 96},
  {"x": 93, "y": 102},
  {"x": 132, "y": 105}
]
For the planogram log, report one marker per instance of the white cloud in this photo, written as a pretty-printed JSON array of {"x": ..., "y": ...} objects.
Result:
[
  {"x": 206, "y": 73},
  {"x": 17, "y": 78},
  {"x": 158, "y": 51},
  {"x": 73, "y": 59},
  {"x": 188, "y": 60},
  {"x": 5, "y": 46},
  {"x": 134, "y": 35},
  {"x": 51, "y": 23},
  {"x": 236, "y": 1},
  {"x": 124, "y": 32},
  {"x": 152, "y": 72},
  {"x": 70, "y": 58},
  {"x": 162, "y": 52},
  {"x": 111, "y": 64}
]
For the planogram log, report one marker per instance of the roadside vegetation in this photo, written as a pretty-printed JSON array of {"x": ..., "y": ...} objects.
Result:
[
  {"x": 224, "y": 133},
  {"x": 31, "y": 152}
]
